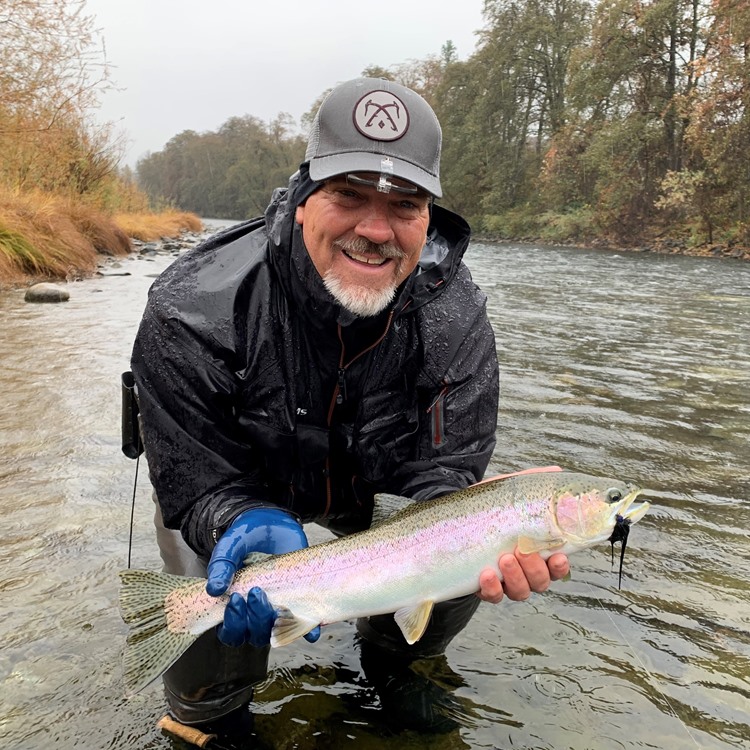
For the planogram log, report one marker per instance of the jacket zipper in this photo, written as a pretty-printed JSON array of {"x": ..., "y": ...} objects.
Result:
[
  {"x": 339, "y": 395},
  {"x": 341, "y": 386}
]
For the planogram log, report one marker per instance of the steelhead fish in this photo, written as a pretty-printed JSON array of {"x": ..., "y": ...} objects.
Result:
[{"x": 414, "y": 555}]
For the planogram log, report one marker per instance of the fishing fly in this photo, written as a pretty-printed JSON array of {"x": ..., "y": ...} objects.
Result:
[{"x": 620, "y": 534}]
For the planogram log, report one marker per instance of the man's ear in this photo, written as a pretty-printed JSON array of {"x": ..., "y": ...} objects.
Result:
[{"x": 299, "y": 214}]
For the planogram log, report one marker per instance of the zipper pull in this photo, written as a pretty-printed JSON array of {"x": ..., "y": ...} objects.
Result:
[{"x": 341, "y": 395}]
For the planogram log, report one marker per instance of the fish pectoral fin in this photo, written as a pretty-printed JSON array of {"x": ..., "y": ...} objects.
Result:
[
  {"x": 288, "y": 627},
  {"x": 529, "y": 544},
  {"x": 413, "y": 620}
]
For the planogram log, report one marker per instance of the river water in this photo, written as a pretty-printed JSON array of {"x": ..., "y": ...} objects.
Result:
[{"x": 631, "y": 365}]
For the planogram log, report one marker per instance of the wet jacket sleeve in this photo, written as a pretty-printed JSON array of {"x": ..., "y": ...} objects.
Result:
[
  {"x": 459, "y": 386},
  {"x": 204, "y": 475}
]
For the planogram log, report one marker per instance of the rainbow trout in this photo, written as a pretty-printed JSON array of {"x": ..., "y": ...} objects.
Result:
[{"x": 414, "y": 555}]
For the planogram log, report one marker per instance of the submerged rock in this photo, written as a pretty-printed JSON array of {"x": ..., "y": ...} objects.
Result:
[{"x": 46, "y": 292}]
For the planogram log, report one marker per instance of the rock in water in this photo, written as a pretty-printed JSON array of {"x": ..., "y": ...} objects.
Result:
[{"x": 46, "y": 292}]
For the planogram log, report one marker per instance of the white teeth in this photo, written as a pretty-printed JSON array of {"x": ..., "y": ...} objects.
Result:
[{"x": 366, "y": 258}]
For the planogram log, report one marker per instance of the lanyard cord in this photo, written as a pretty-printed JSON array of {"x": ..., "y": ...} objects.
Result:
[{"x": 132, "y": 510}]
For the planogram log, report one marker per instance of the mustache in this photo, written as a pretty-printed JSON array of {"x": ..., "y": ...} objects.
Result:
[{"x": 364, "y": 246}]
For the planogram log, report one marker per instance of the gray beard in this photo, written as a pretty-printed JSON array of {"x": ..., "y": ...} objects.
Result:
[
  {"x": 362, "y": 301},
  {"x": 359, "y": 299}
]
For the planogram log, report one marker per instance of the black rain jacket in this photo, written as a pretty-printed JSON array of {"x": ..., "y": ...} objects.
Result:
[{"x": 256, "y": 389}]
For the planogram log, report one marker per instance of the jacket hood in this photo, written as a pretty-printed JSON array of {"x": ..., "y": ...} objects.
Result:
[{"x": 447, "y": 239}]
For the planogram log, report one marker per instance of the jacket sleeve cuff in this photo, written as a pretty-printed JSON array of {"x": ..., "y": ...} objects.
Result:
[{"x": 208, "y": 519}]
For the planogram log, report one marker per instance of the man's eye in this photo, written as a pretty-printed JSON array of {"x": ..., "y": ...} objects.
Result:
[
  {"x": 347, "y": 193},
  {"x": 410, "y": 206}
]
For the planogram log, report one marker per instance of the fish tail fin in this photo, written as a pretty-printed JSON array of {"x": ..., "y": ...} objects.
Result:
[{"x": 150, "y": 647}]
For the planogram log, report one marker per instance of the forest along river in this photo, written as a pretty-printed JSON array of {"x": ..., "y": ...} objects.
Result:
[{"x": 619, "y": 364}]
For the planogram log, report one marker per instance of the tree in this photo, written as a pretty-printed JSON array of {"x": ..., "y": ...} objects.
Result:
[
  {"x": 718, "y": 116},
  {"x": 448, "y": 54},
  {"x": 229, "y": 173},
  {"x": 626, "y": 113},
  {"x": 508, "y": 100},
  {"x": 51, "y": 72}
]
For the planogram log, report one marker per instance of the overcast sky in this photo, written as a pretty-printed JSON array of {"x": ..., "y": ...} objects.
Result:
[{"x": 192, "y": 64}]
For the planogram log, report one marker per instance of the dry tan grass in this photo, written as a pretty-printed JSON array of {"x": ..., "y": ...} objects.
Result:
[
  {"x": 101, "y": 230},
  {"x": 46, "y": 236},
  {"x": 148, "y": 226},
  {"x": 39, "y": 238}
]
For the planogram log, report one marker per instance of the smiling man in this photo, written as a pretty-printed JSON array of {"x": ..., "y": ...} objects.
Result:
[
  {"x": 364, "y": 242},
  {"x": 295, "y": 365}
]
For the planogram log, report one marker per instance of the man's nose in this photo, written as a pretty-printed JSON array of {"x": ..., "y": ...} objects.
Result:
[{"x": 375, "y": 226}]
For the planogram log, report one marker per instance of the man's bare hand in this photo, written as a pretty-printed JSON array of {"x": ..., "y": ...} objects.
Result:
[{"x": 522, "y": 575}]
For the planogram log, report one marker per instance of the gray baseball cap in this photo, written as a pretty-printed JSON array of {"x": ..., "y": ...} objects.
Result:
[{"x": 375, "y": 125}]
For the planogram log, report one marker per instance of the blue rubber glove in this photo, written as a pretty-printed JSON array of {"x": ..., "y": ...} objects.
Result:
[{"x": 269, "y": 530}]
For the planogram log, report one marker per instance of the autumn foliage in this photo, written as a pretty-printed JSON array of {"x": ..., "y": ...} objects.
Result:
[
  {"x": 42, "y": 235},
  {"x": 624, "y": 122},
  {"x": 59, "y": 178},
  {"x": 620, "y": 122},
  {"x": 617, "y": 120}
]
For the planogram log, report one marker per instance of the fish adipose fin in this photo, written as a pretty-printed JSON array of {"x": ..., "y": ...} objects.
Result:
[
  {"x": 288, "y": 627},
  {"x": 150, "y": 648},
  {"x": 528, "y": 544},
  {"x": 413, "y": 620}
]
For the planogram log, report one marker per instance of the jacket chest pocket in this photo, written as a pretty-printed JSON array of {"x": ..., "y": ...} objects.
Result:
[{"x": 389, "y": 437}]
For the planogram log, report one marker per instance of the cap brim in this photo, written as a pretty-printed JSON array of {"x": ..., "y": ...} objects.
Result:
[{"x": 325, "y": 167}]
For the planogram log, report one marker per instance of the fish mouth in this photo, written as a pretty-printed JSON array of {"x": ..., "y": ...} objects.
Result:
[
  {"x": 625, "y": 515},
  {"x": 626, "y": 510}
]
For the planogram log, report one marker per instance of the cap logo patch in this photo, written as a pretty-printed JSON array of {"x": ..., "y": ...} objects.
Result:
[{"x": 381, "y": 116}]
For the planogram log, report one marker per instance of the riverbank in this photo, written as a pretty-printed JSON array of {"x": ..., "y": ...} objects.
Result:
[
  {"x": 669, "y": 246},
  {"x": 49, "y": 238},
  {"x": 659, "y": 246},
  {"x": 55, "y": 240}
]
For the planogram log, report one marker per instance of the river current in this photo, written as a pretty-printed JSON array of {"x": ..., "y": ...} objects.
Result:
[{"x": 624, "y": 364}]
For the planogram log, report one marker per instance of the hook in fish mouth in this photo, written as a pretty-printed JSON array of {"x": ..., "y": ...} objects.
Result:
[{"x": 626, "y": 515}]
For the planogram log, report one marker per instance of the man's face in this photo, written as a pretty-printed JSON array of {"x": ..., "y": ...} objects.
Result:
[{"x": 362, "y": 242}]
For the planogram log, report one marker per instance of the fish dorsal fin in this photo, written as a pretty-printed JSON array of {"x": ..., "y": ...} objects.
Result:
[
  {"x": 288, "y": 627},
  {"x": 256, "y": 557},
  {"x": 413, "y": 620},
  {"x": 388, "y": 505},
  {"x": 529, "y": 544}
]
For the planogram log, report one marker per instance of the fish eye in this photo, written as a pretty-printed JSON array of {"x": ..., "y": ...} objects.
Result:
[{"x": 614, "y": 496}]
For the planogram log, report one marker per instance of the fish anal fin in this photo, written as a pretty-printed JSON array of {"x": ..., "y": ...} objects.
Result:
[
  {"x": 413, "y": 620},
  {"x": 529, "y": 544},
  {"x": 288, "y": 627}
]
